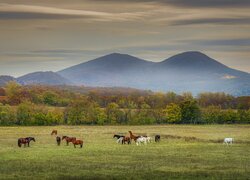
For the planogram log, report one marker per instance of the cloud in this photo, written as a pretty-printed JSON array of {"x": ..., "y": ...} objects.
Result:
[
  {"x": 24, "y": 12},
  {"x": 240, "y": 42},
  {"x": 194, "y": 3},
  {"x": 218, "y": 21}
]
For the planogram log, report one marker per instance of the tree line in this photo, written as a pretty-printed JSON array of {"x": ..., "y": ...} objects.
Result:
[{"x": 48, "y": 105}]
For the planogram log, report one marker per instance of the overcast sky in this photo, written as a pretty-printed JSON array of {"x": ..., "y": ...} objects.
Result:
[{"x": 53, "y": 34}]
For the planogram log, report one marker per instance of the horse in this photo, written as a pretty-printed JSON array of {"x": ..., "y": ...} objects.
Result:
[
  {"x": 53, "y": 132},
  {"x": 126, "y": 139},
  {"x": 68, "y": 139},
  {"x": 149, "y": 139},
  {"x": 58, "y": 140},
  {"x": 25, "y": 141},
  {"x": 157, "y": 138},
  {"x": 119, "y": 137},
  {"x": 132, "y": 136},
  {"x": 140, "y": 140},
  {"x": 228, "y": 141},
  {"x": 77, "y": 142}
]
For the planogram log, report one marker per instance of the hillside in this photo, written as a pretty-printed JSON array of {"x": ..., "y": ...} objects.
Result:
[
  {"x": 189, "y": 71},
  {"x": 46, "y": 78}
]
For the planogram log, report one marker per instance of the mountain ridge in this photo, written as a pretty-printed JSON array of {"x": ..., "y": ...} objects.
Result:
[{"x": 188, "y": 71}]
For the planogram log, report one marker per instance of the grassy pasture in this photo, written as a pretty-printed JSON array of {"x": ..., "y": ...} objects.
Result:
[{"x": 185, "y": 152}]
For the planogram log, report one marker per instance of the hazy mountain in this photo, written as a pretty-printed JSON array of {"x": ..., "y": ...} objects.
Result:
[
  {"x": 188, "y": 71},
  {"x": 6, "y": 79},
  {"x": 46, "y": 78},
  {"x": 110, "y": 70}
]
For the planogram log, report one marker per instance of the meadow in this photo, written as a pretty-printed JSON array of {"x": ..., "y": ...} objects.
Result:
[{"x": 185, "y": 152}]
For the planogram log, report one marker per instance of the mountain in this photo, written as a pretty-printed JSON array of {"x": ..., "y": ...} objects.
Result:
[
  {"x": 110, "y": 70},
  {"x": 5, "y": 79},
  {"x": 189, "y": 71},
  {"x": 45, "y": 78}
]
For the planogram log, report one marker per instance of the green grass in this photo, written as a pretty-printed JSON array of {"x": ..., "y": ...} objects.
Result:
[{"x": 102, "y": 158}]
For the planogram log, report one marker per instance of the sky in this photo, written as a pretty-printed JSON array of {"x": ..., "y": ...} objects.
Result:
[{"x": 49, "y": 35}]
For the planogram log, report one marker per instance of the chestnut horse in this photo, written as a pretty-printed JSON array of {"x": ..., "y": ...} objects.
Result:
[
  {"x": 77, "y": 142},
  {"x": 126, "y": 139},
  {"x": 25, "y": 141},
  {"x": 54, "y": 132},
  {"x": 68, "y": 139},
  {"x": 132, "y": 136}
]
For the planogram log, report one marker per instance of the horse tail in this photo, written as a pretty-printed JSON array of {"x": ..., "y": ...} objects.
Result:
[{"x": 19, "y": 142}]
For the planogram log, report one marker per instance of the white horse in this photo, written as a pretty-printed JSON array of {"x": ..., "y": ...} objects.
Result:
[
  {"x": 141, "y": 140},
  {"x": 149, "y": 139},
  {"x": 119, "y": 140},
  {"x": 228, "y": 141}
]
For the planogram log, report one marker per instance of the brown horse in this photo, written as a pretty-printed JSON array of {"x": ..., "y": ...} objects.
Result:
[
  {"x": 54, "y": 132},
  {"x": 126, "y": 139},
  {"x": 77, "y": 142},
  {"x": 25, "y": 141},
  {"x": 132, "y": 136},
  {"x": 68, "y": 139}
]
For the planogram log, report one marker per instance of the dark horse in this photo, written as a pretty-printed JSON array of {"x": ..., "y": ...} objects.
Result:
[
  {"x": 25, "y": 141},
  {"x": 118, "y": 136},
  {"x": 77, "y": 142},
  {"x": 68, "y": 139},
  {"x": 157, "y": 138},
  {"x": 58, "y": 140},
  {"x": 126, "y": 139}
]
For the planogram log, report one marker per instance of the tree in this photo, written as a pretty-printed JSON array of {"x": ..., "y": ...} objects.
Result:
[
  {"x": 190, "y": 112},
  {"x": 25, "y": 113},
  {"x": 13, "y": 93},
  {"x": 173, "y": 113},
  {"x": 50, "y": 98},
  {"x": 7, "y": 115},
  {"x": 114, "y": 114}
]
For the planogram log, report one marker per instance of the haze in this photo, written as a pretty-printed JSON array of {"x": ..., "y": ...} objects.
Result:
[{"x": 51, "y": 35}]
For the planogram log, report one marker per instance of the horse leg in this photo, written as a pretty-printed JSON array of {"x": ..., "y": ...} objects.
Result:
[{"x": 74, "y": 145}]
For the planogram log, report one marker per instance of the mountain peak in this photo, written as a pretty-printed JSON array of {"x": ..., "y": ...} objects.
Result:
[{"x": 192, "y": 59}]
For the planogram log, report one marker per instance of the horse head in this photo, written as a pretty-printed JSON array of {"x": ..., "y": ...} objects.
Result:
[
  {"x": 32, "y": 139},
  {"x": 64, "y": 137}
]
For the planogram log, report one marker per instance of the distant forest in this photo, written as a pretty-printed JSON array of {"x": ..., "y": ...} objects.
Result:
[{"x": 70, "y": 105}]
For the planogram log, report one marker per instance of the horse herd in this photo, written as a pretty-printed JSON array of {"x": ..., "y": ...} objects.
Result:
[
  {"x": 73, "y": 140},
  {"x": 120, "y": 139},
  {"x": 138, "y": 139}
]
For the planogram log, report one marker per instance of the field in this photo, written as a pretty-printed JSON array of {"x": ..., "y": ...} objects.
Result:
[{"x": 185, "y": 152}]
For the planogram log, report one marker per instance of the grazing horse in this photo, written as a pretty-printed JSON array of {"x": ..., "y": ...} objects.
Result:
[
  {"x": 149, "y": 139},
  {"x": 25, "y": 141},
  {"x": 53, "y": 132},
  {"x": 119, "y": 138},
  {"x": 157, "y": 138},
  {"x": 140, "y": 140},
  {"x": 228, "y": 141},
  {"x": 132, "y": 136},
  {"x": 126, "y": 139},
  {"x": 68, "y": 139},
  {"x": 77, "y": 142},
  {"x": 58, "y": 140}
]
